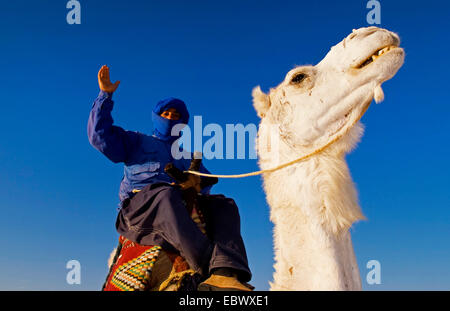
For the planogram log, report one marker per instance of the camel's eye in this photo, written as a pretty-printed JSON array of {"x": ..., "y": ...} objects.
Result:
[{"x": 299, "y": 77}]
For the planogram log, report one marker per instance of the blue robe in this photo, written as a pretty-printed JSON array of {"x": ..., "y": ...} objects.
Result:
[
  {"x": 144, "y": 156},
  {"x": 157, "y": 215}
]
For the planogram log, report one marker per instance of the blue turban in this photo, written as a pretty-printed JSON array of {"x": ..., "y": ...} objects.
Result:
[{"x": 163, "y": 126}]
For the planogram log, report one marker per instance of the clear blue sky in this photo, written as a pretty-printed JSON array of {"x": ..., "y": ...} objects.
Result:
[{"x": 59, "y": 195}]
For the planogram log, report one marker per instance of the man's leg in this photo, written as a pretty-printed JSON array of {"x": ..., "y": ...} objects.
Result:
[
  {"x": 158, "y": 216},
  {"x": 224, "y": 228}
]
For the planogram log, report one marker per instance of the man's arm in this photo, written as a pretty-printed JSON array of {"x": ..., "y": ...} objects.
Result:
[{"x": 113, "y": 141}]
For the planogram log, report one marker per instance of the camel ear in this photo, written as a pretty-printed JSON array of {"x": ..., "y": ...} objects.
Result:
[{"x": 261, "y": 101}]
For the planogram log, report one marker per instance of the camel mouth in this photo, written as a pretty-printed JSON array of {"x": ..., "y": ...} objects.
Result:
[{"x": 379, "y": 53}]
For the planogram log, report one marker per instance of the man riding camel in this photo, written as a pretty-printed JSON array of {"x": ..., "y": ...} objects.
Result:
[{"x": 152, "y": 208}]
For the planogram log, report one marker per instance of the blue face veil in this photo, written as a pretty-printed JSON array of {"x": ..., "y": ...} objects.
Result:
[{"x": 162, "y": 127}]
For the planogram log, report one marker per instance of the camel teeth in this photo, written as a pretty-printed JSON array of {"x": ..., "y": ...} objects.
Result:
[
  {"x": 376, "y": 55},
  {"x": 384, "y": 50}
]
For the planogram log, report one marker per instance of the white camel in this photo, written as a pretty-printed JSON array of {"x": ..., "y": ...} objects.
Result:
[{"x": 314, "y": 202}]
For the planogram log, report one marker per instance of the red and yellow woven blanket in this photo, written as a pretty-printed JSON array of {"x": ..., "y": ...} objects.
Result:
[{"x": 132, "y": 267}]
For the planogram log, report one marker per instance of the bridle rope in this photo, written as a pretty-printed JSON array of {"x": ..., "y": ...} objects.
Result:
[{"x": 279, "y": 167}]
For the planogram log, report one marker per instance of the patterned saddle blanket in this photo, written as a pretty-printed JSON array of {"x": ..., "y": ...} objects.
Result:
[
  {"x": 148, "y": 268},
  {"x": 138, "y": 267}
]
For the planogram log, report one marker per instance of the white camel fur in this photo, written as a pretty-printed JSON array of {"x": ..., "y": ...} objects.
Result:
[{"x": 314, "y": 203}]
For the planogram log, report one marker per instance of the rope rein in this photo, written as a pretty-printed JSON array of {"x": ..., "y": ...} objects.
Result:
[{"x": 279, "y": 167}]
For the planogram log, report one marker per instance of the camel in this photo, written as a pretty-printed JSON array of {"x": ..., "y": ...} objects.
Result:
[{"x": 313, "y": 203}]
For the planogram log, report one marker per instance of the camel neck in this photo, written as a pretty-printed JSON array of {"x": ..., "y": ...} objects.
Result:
[{"x": 312, "y": 206}]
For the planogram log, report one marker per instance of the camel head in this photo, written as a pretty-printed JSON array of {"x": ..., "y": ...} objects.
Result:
[{"x": 314, "y": 104}]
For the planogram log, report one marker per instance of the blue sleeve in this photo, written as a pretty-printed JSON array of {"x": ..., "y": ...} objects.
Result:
[{"x": 113, "y": 141}]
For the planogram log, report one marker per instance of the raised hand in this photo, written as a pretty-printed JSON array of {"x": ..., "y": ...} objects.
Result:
[{"x": 104, "y": 81}]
